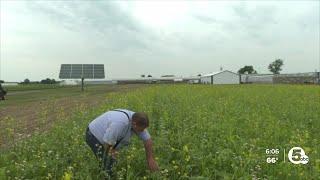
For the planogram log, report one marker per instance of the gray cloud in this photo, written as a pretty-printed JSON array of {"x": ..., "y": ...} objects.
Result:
[
  {"x": 205, "y": 19},
  {"x": 246, "y": 23},
  {"x": 117, "y": 30},
  {"x": 48, "y": 33},
  {"x": 256, "y": 18},
  {"x": 256, "y": 23}
]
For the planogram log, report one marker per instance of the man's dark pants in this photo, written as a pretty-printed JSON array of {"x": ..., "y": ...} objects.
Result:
[{"x": 105, "y": 160}]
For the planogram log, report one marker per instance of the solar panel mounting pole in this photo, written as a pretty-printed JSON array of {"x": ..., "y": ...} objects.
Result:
[{"x": 82, "y": 79}]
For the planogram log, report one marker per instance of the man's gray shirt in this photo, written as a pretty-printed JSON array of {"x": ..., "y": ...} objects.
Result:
[{"x": 112, "y": 126}]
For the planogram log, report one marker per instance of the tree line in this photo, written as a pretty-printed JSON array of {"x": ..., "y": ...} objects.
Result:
[
  {"x": 44, "y": 81},
  {"x": 274, "y": 67}
]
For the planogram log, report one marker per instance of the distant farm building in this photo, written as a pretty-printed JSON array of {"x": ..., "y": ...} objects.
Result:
[
  {"x": 294, "y": 78},
  {"x": 106, "y": 82},
  {"x": 194, "y": 81},
  {"x": 69, "y": 82},
  {"x": 9, "y": 84},
  {"x": 168, "y": 76},
  {"x": 257, "y": 78},
  {"x": 297, "y": 78},
  {"x": 222, "y": 77}
]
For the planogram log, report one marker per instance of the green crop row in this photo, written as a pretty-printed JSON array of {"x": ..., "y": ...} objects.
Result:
[{"x": 199, "y": 132}]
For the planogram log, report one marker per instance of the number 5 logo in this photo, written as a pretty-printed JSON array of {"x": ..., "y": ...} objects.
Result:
[{"x": 297, "y": 155}]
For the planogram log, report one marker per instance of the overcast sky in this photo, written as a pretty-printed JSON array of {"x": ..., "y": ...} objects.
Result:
[{"x": 160, "y": 37}]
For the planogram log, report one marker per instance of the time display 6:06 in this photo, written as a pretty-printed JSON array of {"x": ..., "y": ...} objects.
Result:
[{"x": 272, "y": 151}]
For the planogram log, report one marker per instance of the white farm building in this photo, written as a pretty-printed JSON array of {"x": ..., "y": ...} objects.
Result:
[{"x": 222, "y": 77}]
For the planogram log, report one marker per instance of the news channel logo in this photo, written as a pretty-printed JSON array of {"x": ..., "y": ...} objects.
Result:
[{"x": 296, "y": 155}]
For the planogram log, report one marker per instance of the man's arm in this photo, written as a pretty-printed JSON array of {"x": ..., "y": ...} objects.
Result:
[
  {"x": 113, "y": 132},
  {"x": 152, "y": 164}
]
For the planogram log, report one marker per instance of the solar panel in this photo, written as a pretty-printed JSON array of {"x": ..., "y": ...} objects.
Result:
[{"x": 78, "y": 71}]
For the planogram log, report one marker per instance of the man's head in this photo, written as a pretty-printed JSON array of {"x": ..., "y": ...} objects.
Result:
[{"x": 140, "y": 121}]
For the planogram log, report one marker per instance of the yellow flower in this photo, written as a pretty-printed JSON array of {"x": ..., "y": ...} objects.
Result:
[
  {"x": 307, "y": 149},
  {"x": 187, "y": 158},
  {"x": 165, "y": 171},
  {"x": 67, "y": 176},
  {"x": 185, "y": 148}
]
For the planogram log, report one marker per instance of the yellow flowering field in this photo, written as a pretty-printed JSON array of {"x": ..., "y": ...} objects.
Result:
[{"x": 199, "y": 132}]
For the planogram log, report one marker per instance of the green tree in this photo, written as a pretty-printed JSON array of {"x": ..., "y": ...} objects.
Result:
[
  {"x": 26, "y": 81},
  {"x": 275, "y": 66},
  {"x": 247, "y": 70},
  {"x": 48, "y": 81}
]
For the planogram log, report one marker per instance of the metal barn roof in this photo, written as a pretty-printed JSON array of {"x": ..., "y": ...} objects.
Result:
[{"x": 215, "y": 73}]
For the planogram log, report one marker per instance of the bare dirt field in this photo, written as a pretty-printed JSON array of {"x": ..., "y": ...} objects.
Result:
[{"x": 25, "y": 112}]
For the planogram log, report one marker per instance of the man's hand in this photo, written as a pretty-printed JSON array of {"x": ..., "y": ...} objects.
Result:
[
  {"x": 110, "y": 151},
  {"x": 114, "y": 153},
  {"x": 153, "y": 166}
]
